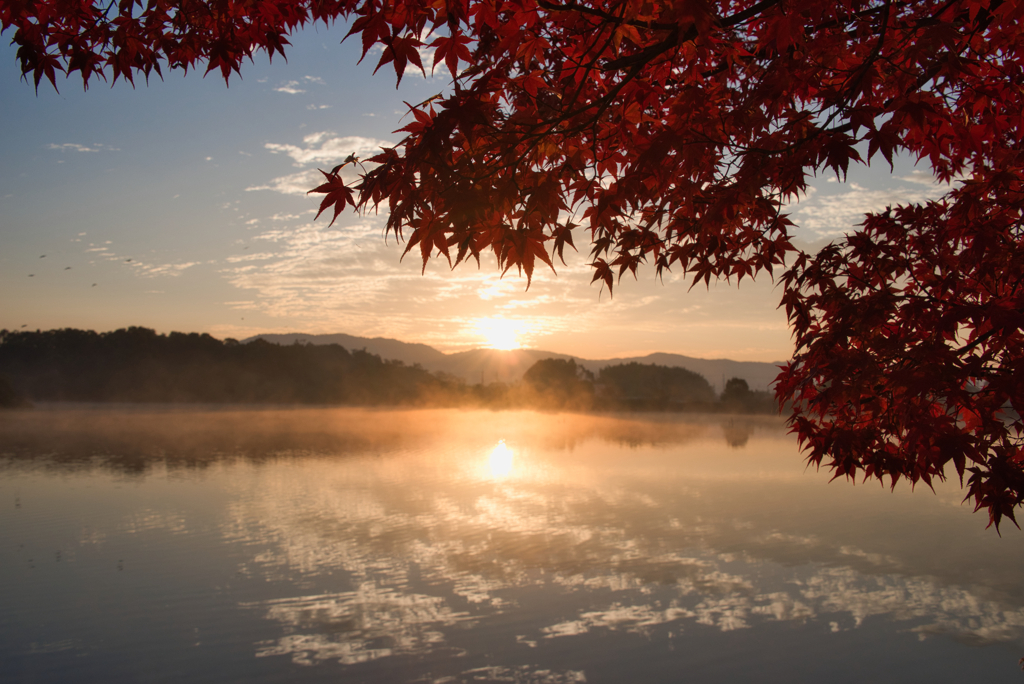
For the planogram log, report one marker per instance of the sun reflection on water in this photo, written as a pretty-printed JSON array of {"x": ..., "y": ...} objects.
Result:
[
  {"x": 501, "y": 460},
  {"x": 447, "y": 549}
]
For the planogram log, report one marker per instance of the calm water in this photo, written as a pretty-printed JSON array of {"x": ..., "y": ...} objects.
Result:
[{"x": 443, "y": 546}]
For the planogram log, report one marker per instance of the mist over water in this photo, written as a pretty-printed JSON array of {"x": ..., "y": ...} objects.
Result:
[{"x": 175, "y": 544}]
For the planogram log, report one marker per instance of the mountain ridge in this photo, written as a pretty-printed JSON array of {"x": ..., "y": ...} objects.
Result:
[{"x": 496, "y": 365}]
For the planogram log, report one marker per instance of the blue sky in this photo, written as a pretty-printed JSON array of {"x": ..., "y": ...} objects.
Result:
[{"x": 181, "y": 206}]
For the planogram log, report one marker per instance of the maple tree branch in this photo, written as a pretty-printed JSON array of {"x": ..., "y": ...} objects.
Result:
[
  {"x": 862, "y": 70},
  {"x": 590, "y": 66},
  {"x": 979, "y": 340},
  {"x": 618, "y": 20},
  {"x": 649, "y": 53},
  {"x": 749, "y": 13}
]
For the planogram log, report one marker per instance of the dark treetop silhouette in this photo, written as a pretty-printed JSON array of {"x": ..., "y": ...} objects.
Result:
[
  {"x": 138, "y": 365},
  {"x": 673, "y": 132}
]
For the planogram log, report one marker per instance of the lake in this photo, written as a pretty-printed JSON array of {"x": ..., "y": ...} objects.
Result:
[{"x": 167, "y": 544}]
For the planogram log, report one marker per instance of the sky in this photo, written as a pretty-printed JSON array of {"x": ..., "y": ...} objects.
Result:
[{"x": 181, "y": 206}]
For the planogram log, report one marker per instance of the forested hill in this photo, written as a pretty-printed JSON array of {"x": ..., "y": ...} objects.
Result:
[
  {"x": 411, "y": 353},
  {"x": 138, "y": 365},
  {"x": 509, "y": 366}
]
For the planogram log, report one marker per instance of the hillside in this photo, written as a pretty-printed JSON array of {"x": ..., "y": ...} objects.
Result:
[
  {"x": 495, "y": 365},
  {"x": 140, "y": 365},
  {"x": 406, "y": 352}
]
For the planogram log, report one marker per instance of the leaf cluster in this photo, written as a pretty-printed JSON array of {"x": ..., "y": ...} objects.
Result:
[{"x": 674, "y": 133}]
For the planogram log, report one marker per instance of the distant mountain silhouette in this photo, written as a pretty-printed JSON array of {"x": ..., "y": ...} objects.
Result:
[
  {"x": 496, "y": 365},
  {"x": 386, "y": 348}
]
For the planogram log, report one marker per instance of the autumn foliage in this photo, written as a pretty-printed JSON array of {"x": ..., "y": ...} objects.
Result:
[{"x": 672, "y": 133}]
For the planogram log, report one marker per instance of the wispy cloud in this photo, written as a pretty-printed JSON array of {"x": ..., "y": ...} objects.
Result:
[
  {"x": 291, "y": 217},
  {"x": 147, "y": 269},
  {"x": 293, "y": 184},
  {"x": 244, "y": 258},
  {"x": 154, "y": 270},
  {"x": 833, "y": 214},
  {"x": 922, "y": 178},
  {"x": 325, "y": 147},
  {"x": 290, "y": 87},
  {"x": 295, "y": 87},
  {"x": 75, "y": 147},
  {"x": 347, "y": 278}
]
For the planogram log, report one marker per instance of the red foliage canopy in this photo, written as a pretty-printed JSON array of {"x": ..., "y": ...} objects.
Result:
[{"x": 674, "y": 132}]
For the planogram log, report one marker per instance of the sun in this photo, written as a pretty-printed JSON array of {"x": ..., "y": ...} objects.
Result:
[{"x": 499, "y": 333}]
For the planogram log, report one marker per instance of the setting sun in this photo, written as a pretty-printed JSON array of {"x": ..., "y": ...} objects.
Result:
[{"x": 499, "y": 333}]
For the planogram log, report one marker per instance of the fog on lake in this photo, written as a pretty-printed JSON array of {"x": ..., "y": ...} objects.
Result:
[{"x": 288, "y": 545}]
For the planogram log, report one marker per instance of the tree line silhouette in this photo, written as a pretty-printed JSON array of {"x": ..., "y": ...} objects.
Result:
[{"x": 139, "y": 365}]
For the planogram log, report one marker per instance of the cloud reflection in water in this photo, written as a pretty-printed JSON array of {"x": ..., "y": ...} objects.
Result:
[
  {"x": 527, "y": 547},
  {"x": 358, "y": 626},
  {"x": 636, "y": 538}
]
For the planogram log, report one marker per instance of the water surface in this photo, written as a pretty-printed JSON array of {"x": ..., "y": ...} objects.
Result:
[{"x": 153, "y": 545}]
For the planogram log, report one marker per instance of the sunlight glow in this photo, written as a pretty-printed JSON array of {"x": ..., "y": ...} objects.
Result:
[
  {"x": 499, "y": 333},
  {"x": 501, "y": 460}
]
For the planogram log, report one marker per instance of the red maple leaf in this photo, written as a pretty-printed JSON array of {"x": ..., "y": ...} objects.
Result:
[{"x": 337, "y": 194}]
